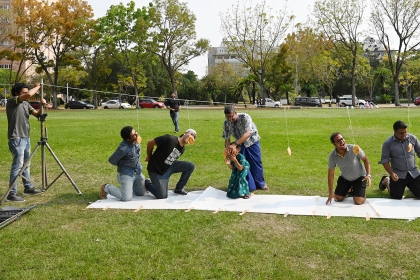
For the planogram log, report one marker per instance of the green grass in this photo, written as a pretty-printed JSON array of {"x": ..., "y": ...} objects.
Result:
[{"x": 61, "y": 239}]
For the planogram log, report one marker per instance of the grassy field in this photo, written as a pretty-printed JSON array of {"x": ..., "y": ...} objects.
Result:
[{"x": 61, "y": 239}]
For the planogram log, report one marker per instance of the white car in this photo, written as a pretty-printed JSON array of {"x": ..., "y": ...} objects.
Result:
[
  {"x": 114, "y": 104},
  {"x": 373, "y": 105},
  {"x": 363, "y": 104},
  {"x": 271, "y": 103}
]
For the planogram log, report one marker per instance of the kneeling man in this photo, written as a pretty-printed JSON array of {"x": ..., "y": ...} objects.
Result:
[{"x": 354, "y": 176}]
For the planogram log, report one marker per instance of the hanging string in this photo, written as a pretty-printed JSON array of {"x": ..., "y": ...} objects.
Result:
[
  {"x": 356, "y": 148},
  {"x": 288, "y": 150},
  {"x": 138, "y": 123},
  {"x": 137, "y": 111},
  {"x": 408, "y": 115},
  {"x": 188, "y": 112},
  {"x": 350, "y": 125}
]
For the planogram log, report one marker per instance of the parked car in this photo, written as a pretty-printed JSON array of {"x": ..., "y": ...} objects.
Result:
[
  {"x": 347, "y": 100},
  {"x": 3, "y": 102},
  {"x": 325, "y": 100},
  {"x": 78, "y": 105},
  {"x": 363, "y": 104},
  {"x": 36, "y": 105},
  {"x": 308, "y": 101},
  {"x": 113, "y": 104},
  {"x": 150, "y": 103},
  {"x": 271, "y": 103},
  {"x": 417, "y": 101}
]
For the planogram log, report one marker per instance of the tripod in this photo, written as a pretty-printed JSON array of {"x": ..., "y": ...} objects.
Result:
[{"x": 43, "y": 143}]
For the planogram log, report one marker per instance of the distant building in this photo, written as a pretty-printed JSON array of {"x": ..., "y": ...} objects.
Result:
[
  {"x": 373, "y": 48},
  {"x": 6, "y": 27},
  {"x": 219, "y": 55}
]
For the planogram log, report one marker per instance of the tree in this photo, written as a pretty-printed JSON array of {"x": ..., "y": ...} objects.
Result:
[
  {"x": 188, "y": 86},
  {"x": 158, "y": 83},
  {"x": 223, "y": 78},
  {"x": 175, "y": 32},
  {"x": 304, "y": 46},
  {"x": 410, "y": 75},
  {"x": 253, "y": 35},
  {"x": 209, "y": 85},
  {"x": 397, "y": 19},
  {"x": 95, "y": 61},
  {"x": 341, "y": 20},
  {"x": 279, "y": 73},
  {"x": 54, "y": 31},
  {"x": 21, "y": 50},
  {"x": 227, "y": 78},
  {"x": 328, "y": 71},
  {"x": 126, "y": 36},
  {"x": 368, "y": 77}
]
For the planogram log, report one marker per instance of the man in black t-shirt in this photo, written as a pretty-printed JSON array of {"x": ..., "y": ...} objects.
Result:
[
  {"x": 174, "y": 105},
  {"x": 163, "y": 162}
]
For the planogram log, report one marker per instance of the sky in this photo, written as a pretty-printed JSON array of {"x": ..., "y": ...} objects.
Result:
[{"x": 208, "y": 20}]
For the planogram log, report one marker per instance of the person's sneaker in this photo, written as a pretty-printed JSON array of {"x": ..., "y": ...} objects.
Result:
[
  {"x": 14, "y": 197},
  {"x": 103, "y": 194},
  {"x": 147, "y": 183},
  {"x": 181, "y": 191},
  {"x": 382, "y": 186},
  {"x": 387, "y": 182},
  {"x": 31, "y": 191}
]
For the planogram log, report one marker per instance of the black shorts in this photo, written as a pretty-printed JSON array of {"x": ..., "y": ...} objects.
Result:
[
  {"x": 343, "y": 187},
  {"x": 397, "y": 188}
]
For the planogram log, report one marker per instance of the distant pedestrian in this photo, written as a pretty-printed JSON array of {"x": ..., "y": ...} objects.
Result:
[{"x": 174, "y": 106}]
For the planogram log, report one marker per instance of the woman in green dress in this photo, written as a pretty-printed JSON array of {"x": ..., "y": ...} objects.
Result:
[{"x": 238, "y": 185}]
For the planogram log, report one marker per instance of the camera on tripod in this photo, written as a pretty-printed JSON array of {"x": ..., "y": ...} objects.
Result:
[{"x": 42, "y": 117}]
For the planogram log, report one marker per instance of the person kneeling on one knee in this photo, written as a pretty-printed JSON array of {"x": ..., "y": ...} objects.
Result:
[{"x": 354, "y": 177}]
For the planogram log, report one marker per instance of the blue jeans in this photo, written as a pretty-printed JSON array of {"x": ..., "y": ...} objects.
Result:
[
  {"x": 21, "y": 151},
  {"x": 159, "y": 185},
  {"x": 174, "y": 117},
  {"x": 129, "y": 184}
]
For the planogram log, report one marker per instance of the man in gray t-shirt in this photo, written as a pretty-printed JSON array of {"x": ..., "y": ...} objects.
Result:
[
  {"x": 18, "y": 111},
  {"x": 354, "y": 176}
]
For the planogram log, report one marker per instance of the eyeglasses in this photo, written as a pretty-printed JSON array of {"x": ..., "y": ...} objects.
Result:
[
  {"x": 230, "y": 117},
  {"x": 338, "y": 141},
  {"x": 193, "y": 135}
]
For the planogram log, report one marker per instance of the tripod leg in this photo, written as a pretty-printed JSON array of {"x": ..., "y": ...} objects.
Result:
[
  {"x": 25, "y": 165},
  {"x": 62, "y": 168},
  {"x": 44, "y": 167}
]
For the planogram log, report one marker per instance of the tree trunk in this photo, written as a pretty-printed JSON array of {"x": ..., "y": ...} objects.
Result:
[
  {"x": 262, "y": 85},
  {"x": 353, "y": 84},
  {"x": 397, "y": 92}
]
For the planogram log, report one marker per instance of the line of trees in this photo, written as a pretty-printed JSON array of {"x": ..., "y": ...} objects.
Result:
[{"x": 144, "y": 51}]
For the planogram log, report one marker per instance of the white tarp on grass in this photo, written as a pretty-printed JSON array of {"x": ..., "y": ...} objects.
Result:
[
  {"x": 215, "y": 200},
  {"x": 174, "y": 201}
]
